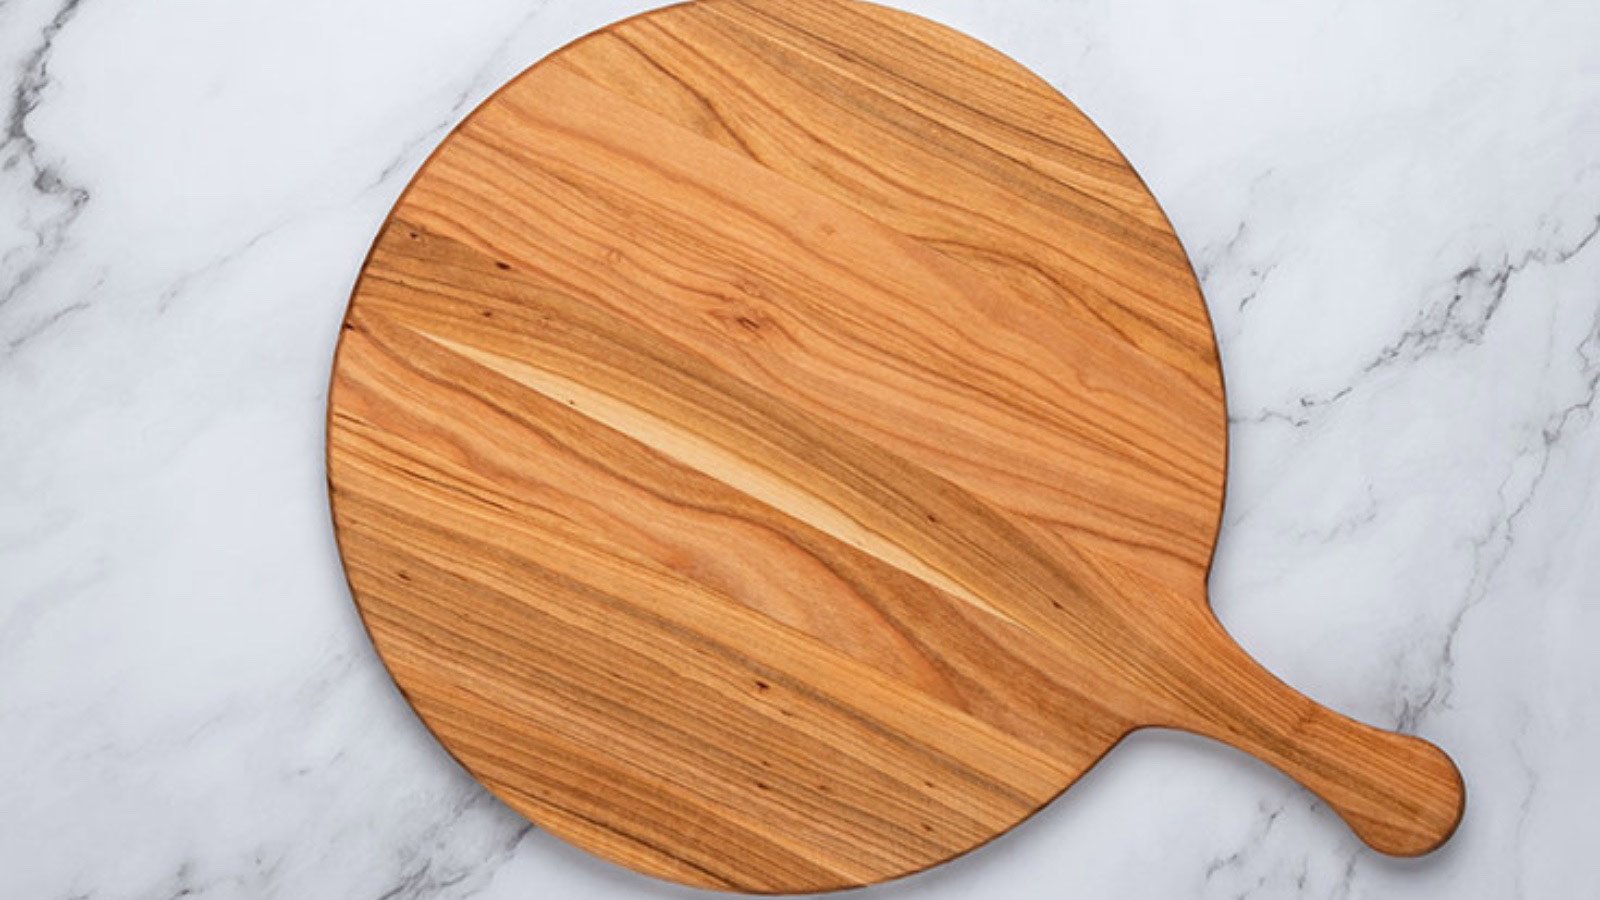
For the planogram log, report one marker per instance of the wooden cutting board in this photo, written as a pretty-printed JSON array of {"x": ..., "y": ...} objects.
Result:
[{"x": 778, "y": 446}]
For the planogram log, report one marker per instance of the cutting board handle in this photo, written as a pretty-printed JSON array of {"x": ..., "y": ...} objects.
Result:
[{"x": 1400, "y": 794}]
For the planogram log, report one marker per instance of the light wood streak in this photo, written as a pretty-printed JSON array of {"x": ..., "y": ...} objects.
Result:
[{"x": 741, "y": 474}]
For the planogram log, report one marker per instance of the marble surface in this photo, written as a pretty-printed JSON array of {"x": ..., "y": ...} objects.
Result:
[{"x": 1394, "y": 210}]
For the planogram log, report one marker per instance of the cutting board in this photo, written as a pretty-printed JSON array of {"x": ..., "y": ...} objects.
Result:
[{"x": 779, "y": 446}]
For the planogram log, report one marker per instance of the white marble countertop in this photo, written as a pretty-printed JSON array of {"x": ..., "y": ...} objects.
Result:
[{"x": 1393, "y": 208}]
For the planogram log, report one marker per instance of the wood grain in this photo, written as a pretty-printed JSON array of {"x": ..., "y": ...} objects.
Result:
[{"x": 779, "y": 446}]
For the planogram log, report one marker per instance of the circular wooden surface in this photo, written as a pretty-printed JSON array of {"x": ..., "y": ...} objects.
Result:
[{"x": 779, "y": 446}]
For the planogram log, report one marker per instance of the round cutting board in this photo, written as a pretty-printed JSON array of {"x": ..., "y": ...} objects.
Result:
[{"x": 778, "y": 446}]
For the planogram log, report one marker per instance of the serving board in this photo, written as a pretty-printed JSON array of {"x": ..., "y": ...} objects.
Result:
[{"x": 778, "y": 447}]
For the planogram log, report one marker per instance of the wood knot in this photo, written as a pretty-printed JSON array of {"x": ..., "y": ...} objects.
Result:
[{"x": 744, "y": 321}]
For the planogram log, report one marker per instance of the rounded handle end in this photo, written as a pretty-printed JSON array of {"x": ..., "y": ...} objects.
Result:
[{"x": 1405, "y": 798}]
